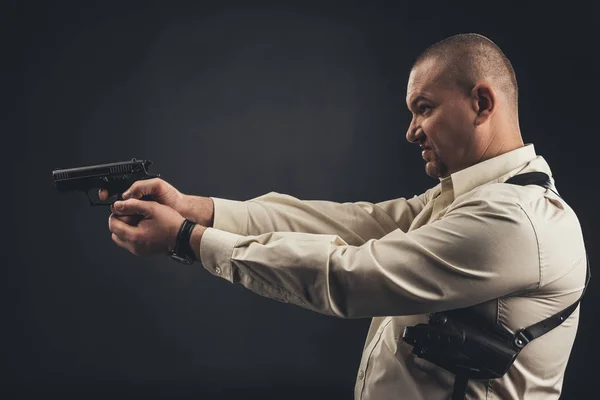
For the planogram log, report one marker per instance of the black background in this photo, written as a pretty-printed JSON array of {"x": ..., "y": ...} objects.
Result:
[{"x": 235, "y": 100}]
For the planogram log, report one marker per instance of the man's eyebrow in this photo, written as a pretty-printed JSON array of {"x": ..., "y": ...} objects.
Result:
[{"x": 416, "y": 99}]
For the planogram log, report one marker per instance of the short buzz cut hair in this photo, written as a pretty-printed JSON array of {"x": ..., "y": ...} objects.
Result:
[{"x": 469, "y": 57}]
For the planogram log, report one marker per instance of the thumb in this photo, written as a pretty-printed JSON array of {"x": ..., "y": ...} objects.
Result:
[{"x": 134, "y": 206}]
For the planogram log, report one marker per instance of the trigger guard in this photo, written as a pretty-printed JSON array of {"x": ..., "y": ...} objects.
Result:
[{"x": 108, "y": 202}]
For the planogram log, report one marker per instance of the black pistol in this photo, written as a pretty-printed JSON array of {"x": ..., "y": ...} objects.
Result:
[{"x": 115, "y": 177}]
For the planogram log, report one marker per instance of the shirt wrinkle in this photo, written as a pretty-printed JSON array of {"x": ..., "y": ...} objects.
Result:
[{"x": 539, "y": 249}]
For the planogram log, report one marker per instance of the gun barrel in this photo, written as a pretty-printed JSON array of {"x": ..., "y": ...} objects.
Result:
[{"x": 73, "y": 178}]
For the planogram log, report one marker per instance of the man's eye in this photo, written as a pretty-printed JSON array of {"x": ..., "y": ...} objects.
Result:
[{"x": 424, "y": 108}]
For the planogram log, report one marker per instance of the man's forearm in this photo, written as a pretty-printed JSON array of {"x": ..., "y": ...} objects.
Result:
[{"x": 200, "y": 210}]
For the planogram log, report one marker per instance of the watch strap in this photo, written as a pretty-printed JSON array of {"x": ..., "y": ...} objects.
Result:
[{"x": 183, "y": 249}]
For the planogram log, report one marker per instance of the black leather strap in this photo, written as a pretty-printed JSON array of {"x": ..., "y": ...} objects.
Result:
[
  {"x": 459, "y": 390},
  {"x": 183, "y": 248},
  {"x": 533, "y": 178},
  {"x": 526, "y": 335}
]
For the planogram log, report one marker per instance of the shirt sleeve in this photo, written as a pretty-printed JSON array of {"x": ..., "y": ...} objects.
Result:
[
  {"x": 353, "y": 222},
  {"x": 482, "y": 249}
]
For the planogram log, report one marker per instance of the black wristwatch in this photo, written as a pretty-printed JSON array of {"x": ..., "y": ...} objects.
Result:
[{"x": 183, "y": 252}]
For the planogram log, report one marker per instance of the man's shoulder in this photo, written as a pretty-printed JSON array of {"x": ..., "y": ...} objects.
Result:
[
  {"x": 506, "y": 193},
  {"x": 557, "y": 226},
  {"x": 541, "y": 205}
]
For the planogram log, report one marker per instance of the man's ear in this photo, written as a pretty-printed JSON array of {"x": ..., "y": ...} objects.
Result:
[{"x": 484, "y": 101}]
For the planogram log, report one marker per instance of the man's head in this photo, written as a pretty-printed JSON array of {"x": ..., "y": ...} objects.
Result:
[{"x": 463, "y": 95}]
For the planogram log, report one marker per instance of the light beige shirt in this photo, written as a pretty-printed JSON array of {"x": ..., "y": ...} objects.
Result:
[{"x": 514, "y": 253}]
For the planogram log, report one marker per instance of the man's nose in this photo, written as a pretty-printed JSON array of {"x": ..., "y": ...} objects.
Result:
[{"x": 411, "y": 133}]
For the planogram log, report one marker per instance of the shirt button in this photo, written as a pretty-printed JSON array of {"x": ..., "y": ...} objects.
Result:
[
  {"x": 361, "y": 374},
  {"x": 218, "y": 270}
]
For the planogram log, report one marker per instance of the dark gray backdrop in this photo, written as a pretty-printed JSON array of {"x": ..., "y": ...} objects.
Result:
[{"x": 236, "y": 100}]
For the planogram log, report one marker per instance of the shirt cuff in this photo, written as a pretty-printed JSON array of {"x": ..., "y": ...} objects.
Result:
[
  {"x": 216, "y": 249},
  {"x": 230, "y": 215}
]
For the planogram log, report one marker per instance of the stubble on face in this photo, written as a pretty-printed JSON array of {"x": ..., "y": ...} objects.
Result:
[{"x": 434, "y": 166}]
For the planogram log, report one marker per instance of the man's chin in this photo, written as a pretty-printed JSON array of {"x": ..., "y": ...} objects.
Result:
[
  {"x": 436, "y": 169},
  {"x": 432, "y": 170}
]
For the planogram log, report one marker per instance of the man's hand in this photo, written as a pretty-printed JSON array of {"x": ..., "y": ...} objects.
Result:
[
  {"x": 155, "y": 233},
  {"x": 195, "y": 208}
]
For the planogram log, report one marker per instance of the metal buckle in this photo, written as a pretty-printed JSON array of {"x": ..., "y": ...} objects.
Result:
[{"x": 520, "y": 340}]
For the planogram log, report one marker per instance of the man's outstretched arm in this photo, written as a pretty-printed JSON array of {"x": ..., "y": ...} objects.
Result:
[
  {"x": 354, "y": 222},
  {"x": 480, "y": 250}
]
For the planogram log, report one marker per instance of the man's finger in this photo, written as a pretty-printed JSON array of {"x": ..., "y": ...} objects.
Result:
[
  {"x": 103, "y": 194},
  {"x": 129, "y": 219},
  {"x": 141, "y": 188},
  {"x": 121, "y": 243},
  {"x": 121, "y": 229},
  {"x": 120, "y": 212},
  {"x": 133, "y": 206}
]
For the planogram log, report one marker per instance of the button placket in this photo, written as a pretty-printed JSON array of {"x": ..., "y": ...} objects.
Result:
[{"x": 365, "y": 363}]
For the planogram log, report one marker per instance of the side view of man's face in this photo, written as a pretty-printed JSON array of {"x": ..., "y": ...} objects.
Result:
[{"x": 442, "y": 119}]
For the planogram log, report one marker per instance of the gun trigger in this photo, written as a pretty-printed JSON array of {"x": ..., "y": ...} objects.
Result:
[{"x": 92, "y": 203}]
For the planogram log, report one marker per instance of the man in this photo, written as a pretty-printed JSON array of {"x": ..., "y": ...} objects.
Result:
[{"x": 514, "y": 254}]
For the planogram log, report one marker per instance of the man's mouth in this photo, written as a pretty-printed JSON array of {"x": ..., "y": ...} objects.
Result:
[{"x": 426, "y": 151}]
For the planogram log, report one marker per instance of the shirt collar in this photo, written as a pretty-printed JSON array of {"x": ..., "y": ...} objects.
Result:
[{"x": 496, "y": 169}]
